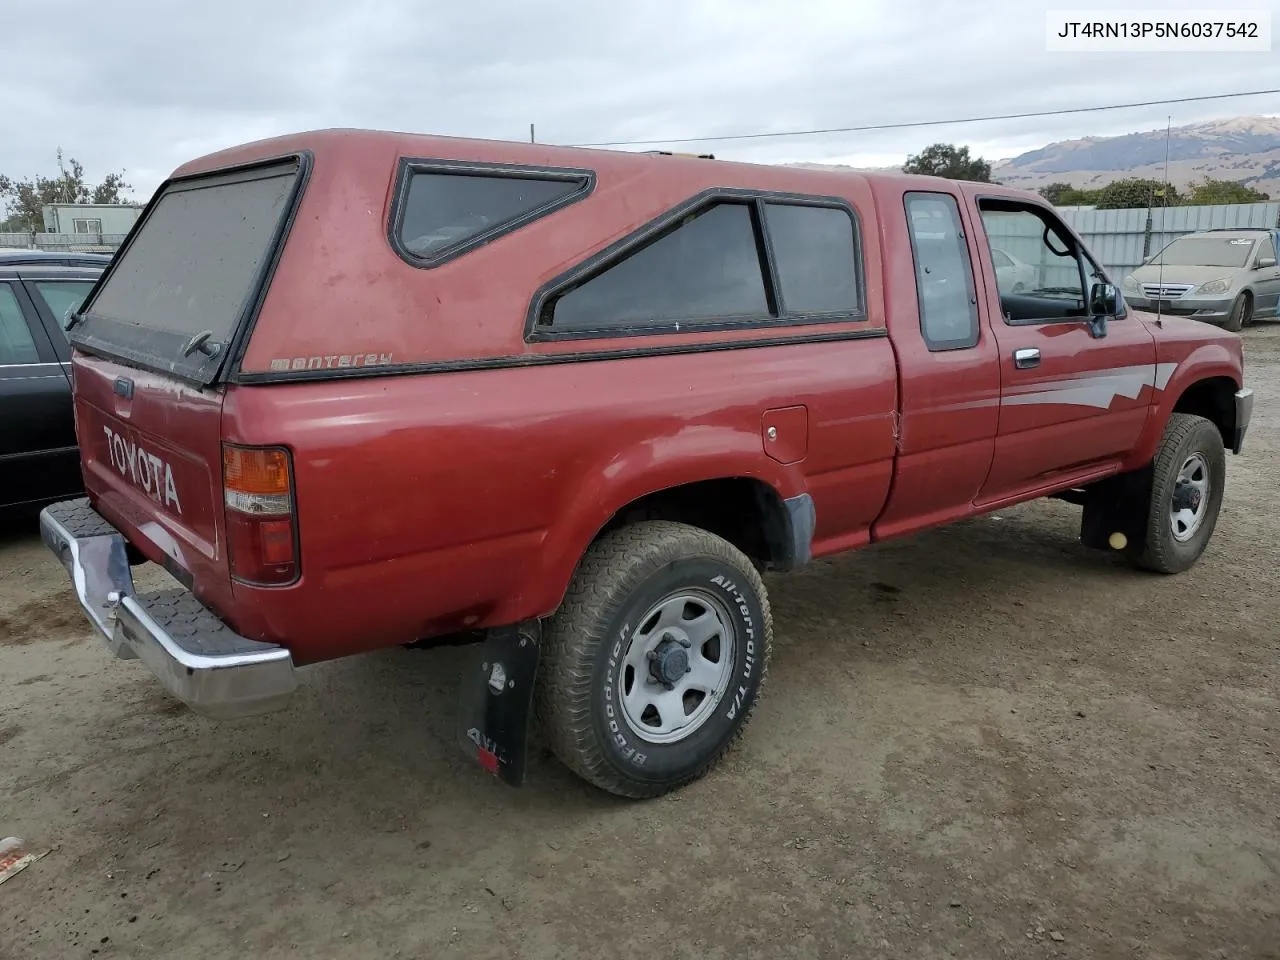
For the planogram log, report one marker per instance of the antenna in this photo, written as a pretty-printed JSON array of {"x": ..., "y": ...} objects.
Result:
[{"x": 1164, "y": 210}]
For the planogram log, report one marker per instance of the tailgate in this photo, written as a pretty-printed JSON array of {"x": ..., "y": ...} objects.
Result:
[
  {"x": 154, "y": 341},
  {"x": 150, "y": 448}
]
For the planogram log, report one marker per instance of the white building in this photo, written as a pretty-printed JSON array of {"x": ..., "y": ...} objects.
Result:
[{"x": 90, "y": 219}]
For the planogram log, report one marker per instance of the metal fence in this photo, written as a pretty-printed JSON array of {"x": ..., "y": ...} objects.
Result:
[
  {"x": 63, "y": 242},
  {"x": 1120, "y": 239},
  {"x": 1123, "y": 239}
]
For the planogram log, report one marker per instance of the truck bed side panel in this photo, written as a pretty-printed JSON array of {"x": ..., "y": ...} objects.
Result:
[{"x": 476, "y": 493}]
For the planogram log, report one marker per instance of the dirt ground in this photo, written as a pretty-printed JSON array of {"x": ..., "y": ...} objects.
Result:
[{"x": 983, "y": 742}]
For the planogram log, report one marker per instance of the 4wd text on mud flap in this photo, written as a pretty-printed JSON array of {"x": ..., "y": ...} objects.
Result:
[
  {"x": 149, "y": 473},
  {"x": 489, "y": 746}
]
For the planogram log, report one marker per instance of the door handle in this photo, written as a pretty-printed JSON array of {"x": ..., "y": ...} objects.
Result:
[{"x": 1025, "y": 358}]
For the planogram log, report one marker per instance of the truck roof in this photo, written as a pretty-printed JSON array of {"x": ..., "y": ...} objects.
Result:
[{"x": 391, "y": 145}]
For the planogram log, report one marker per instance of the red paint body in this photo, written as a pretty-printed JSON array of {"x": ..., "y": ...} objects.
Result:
[{"x": 433, "y": 502}]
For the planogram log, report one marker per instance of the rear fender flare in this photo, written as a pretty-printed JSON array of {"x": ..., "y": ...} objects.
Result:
[{"x": 598, "y": 492}]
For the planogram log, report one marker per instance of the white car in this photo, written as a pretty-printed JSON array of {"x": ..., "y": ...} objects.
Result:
[{"x": 1012, "y": 275}]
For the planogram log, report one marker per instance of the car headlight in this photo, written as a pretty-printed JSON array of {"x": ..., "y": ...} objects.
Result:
[
  {"x": 1129, "y": 284},
  {"x": 1216, "y": 286}
]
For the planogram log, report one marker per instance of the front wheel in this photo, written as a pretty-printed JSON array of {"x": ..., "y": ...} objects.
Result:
[
  {"x": 654, "y": 661},
  {"x": 1187, "y": 484},
  {"x": 1241, "y": 314}
]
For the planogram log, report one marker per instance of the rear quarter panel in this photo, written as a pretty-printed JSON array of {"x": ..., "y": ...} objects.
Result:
[{"x": 450, "y": 501}]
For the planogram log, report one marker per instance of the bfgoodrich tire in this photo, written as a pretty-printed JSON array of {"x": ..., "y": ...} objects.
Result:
[
  {"x": 654, "y": 662},
  {"x": 1187, "y": 484}
]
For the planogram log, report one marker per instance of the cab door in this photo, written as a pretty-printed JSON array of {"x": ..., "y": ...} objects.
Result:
[
  {"x": 1073, "y": 400},
  {"x": 38, "y": 461}
]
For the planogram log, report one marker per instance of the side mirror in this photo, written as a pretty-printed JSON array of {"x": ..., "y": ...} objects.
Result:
[
  {"x": 1104, "y": 300},
  {"x": 1265, "y": 262}
]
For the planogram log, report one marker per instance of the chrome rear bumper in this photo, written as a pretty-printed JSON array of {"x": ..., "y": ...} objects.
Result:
[{"x": 194, "y": 655}]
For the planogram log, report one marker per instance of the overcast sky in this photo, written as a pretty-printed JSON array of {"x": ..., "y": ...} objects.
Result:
[{"x": 123, "y": 84}]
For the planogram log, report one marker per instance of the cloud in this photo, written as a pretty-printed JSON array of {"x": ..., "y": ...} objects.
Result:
[{"x": 130, "y": 85}]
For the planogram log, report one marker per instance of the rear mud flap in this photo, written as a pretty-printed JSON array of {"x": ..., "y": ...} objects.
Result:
[{"x": 496, "y": 701}]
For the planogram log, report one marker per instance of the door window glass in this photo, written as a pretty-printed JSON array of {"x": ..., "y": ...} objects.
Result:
[
  {"x": 16, "y": 343},
  {"x": 1050, "y": 283},
  {"x": 62, "y": 296}
]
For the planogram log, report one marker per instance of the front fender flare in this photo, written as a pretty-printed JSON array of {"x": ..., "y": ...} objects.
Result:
[{"x": 1206, "y": 362}]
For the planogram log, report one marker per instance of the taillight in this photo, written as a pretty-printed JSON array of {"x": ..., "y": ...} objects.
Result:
[{"x": 262, "y": 538}]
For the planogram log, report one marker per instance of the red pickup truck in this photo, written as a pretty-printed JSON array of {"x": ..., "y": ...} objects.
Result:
[{"x": 356, "y": 389}]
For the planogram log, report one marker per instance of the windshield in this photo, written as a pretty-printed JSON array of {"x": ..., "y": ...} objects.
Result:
[{"x": 1206, "y": 252}]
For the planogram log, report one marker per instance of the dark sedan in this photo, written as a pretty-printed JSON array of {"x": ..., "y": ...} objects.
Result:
[{"x": 39, "y": 461}]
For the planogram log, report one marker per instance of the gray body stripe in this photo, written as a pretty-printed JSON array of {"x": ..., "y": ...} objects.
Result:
[{"x": 1093, "y": 388}]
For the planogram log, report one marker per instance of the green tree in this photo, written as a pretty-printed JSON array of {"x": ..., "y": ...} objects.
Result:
[
  {"x": 1065, "y": 195},
  {"x": 1223, "y": 191},
  {"x": 950, "y": 161},
  {"x": 1056, "y": 192},
  {"x": 1137, "y": 192},
  {"x": 24, "y": 200}
]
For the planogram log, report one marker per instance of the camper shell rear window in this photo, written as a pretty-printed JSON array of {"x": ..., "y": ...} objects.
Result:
[{"x": 191, "y": 274}]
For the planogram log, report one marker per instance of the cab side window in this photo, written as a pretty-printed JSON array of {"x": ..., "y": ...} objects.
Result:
[
  {"x": 1053, "y": 276},
  {"x": 1266, "y": 250},
  {"x": 944, "y": 273},
  {"x": 16, "y": 343}
]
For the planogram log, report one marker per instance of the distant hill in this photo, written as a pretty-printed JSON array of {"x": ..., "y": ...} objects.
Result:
[{"x": 1243, "y": 149}]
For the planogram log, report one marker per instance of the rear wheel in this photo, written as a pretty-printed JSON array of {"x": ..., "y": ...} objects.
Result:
[
  {"x": 1186, "y": 494},
  {"x": 1241, "y": 314},
  {"x": 655, "y": 659}
]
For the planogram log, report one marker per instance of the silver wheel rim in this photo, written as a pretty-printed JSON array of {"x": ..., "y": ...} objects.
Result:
[
  {"x": 692, "y": 633},
  {"x": 1190, "y": 501}
]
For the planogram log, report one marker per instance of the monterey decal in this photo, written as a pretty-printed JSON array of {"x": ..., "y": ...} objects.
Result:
[
  {"x": 149, "y": 473},
  {"x": 332, "y": 361}
]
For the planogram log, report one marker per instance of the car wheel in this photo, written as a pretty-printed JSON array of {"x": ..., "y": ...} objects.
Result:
[
  {"x": 1241, "y": 314},
  {"x": 1187, "y": 484},
  {"x": 653, "y": 663}
]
